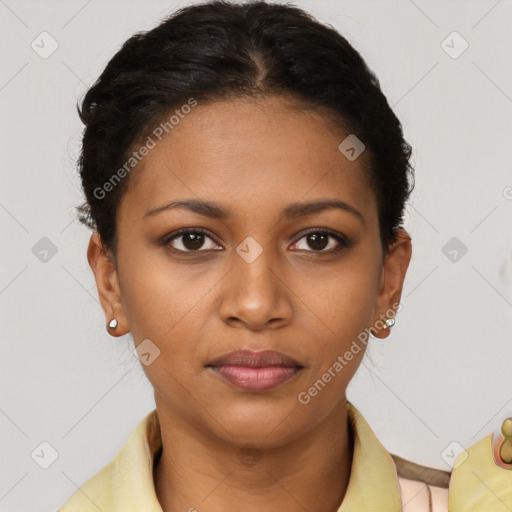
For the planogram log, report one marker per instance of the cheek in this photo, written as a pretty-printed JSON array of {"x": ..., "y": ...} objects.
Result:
[
  {"x": 167, "y": 307},
  {"x": 340, "y": 340},
  {"x": 337, "y": 317},
  {"x": 153, "y": 293},
  {"x": 342, "y": 302},
  {"x": 167, "y": 304}
]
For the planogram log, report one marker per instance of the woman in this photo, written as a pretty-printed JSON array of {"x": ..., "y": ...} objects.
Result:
[{"x": 246, "y": 180}]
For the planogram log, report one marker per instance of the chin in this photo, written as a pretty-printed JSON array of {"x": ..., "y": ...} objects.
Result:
[{"x": 257, "y": 427}]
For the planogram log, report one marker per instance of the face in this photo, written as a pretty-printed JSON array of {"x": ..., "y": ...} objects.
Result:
[{"x": 259, "y": 268}]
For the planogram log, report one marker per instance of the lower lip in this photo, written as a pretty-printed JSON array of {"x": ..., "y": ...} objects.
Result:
[{"x": 256, "y": 379}]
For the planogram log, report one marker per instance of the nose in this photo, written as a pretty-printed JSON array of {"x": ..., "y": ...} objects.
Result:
[{"x": 255, "y": 295}]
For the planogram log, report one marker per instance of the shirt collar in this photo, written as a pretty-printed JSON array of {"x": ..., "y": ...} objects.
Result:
[
  {"x": 127, "y": 482},
  {"x": 373, "y": 483}
]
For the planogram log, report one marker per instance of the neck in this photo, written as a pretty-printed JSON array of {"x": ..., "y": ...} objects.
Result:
[{"x": 195, "y": 471}]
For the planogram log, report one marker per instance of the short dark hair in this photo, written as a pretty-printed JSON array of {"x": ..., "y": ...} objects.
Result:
[{"x": 219, "y": 50}]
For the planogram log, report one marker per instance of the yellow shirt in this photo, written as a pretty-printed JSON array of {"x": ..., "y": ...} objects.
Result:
[{"x": 126, "y": 483}]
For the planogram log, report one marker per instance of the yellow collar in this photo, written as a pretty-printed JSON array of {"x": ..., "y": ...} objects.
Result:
[
  {"x": 126, "y": 483},
  {"x": 373, "y": 483}
]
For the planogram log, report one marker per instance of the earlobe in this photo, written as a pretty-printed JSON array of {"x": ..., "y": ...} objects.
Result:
[
  {"x": 392, "y": 280},
  {"x": 109, "y": 292}
]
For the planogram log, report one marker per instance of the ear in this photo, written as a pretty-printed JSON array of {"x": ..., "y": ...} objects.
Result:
[
  {"x": 103, "y": 266},
  {"x": 391, "y": 283}
]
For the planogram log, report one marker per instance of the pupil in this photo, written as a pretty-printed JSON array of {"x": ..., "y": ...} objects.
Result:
[
  {"x": 316, "y": 238},
  {"x": 196, "y": 241}
]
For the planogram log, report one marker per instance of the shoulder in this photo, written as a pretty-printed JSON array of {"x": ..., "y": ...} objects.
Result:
[
  {"x": 93, "y": 495},
  {"x": 126, "y": 483},
  {"x": 481, "y": 479}
]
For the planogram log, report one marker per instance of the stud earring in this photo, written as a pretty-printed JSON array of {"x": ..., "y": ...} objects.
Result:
[
  {"x": 389, "y": 323},
  {"x": 113, "y": 323}
]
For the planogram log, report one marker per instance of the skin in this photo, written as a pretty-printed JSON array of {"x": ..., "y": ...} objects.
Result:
[{"x": 253, "y": 157}]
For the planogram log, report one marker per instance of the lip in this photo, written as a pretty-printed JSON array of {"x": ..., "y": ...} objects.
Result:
[
  {"x": 255, "y": 371},
  {"x": 255, "y": 359}
]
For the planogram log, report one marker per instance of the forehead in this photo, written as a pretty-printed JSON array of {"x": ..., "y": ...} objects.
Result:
[{"x": 255, "y": 153}]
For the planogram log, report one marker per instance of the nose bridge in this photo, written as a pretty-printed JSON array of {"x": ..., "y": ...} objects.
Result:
[
  {"x": 254, "y": 266},
  {"x": 254, "y": 292}
]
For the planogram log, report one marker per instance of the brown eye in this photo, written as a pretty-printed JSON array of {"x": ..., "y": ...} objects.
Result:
[
  {"x": 318, "y": 241},
  {"x": 192, "y": 240}
]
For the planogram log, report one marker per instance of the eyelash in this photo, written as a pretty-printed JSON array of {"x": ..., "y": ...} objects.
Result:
[{"x": 343, "y": 242}]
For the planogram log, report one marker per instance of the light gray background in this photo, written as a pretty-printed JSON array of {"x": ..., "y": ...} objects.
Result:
[{"x": 444, "y": 373}]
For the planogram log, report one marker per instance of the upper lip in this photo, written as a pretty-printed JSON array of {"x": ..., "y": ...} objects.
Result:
[{"x": 255, "y": 359}]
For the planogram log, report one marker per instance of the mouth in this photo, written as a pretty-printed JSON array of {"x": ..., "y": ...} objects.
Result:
[{"x": 255, "y": 371}]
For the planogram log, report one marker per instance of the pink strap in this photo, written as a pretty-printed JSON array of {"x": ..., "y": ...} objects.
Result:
[{"x": 420, "y": 497}]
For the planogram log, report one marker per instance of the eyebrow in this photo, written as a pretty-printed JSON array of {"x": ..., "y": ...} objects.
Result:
[{"x": 292, "y": 211}]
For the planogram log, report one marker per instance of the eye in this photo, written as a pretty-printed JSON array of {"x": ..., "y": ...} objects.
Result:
[
  {"x": 318, "y": 239},
  {"x": 196, "y": 240},
  {"x": 193, "y": 239}
]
